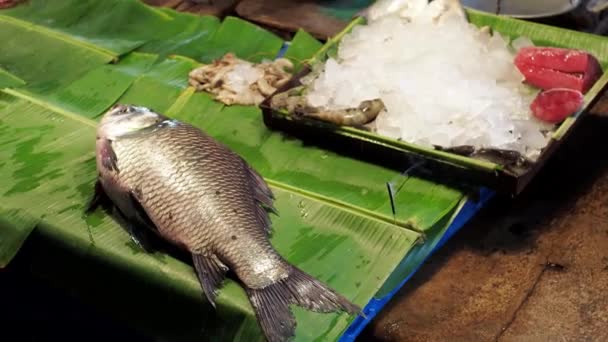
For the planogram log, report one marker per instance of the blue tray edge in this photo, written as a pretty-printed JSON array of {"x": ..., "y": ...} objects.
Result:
[{"x": 375, "y": 305}]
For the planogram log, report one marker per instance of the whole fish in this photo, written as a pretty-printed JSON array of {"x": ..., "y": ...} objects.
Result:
[{"x": 173, "y": 179}]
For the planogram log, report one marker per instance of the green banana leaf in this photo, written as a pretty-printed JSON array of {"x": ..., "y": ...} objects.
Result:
[
  {"x": 335, "y": 222},
  {"x": 17, "y": 225},
  {"x": 9, "y": 80},
  {"x": 301, "y": 46},
  {"x": 46, "y": 67},
  {"x": 83, "y": 95}
]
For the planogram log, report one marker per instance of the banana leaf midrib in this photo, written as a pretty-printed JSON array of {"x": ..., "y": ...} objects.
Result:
[
  {"x": 57, "y": 35},
  {"x": 12, "y": 77}
]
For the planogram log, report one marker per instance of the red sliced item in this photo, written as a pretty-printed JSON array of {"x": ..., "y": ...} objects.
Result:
[
  {"x": 542, "y": 66},
  {"x": 548, "y": 79},
  {"x": 566, "y": 60},
  {"x": 555, "y": 105}
]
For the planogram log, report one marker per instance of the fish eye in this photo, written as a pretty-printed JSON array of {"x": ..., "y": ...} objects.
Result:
[{"x": 119, "y": 109}]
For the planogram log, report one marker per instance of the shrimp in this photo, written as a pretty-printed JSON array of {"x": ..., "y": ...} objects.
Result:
[
  {"x": 366, "y": 112},
  {"x": 295, "y": 103}
]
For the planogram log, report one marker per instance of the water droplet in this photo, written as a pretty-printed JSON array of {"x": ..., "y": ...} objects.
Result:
[
  {"x": 324, "y": 156},
  {"x": 303, "y": 214},
  {"x": 301, "y": 204},
  {"x": 364, "y": 191}
]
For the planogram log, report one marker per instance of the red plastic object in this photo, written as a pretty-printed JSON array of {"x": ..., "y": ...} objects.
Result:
[
  {"x": 7, "y": 3},
  {"x": 555, "y": 105},
  {"x": 547, "y": 67}
]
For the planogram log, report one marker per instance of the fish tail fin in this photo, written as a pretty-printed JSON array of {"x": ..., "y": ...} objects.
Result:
[{"x": 271, "y": 304}]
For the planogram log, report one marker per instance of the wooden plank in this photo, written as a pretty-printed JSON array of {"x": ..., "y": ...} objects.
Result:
[
  {"x": 218, "y": 8},
  {"x": 291, "y": 16}
]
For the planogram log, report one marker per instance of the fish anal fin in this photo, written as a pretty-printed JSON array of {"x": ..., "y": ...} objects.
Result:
[
  {"x": 271, "y": 303},
  {"x": 271, "y": 306},
  {"x": 138, "y": 233},
  {"x": 99, "y": 198},
  {"x": 211, "y": 273}
]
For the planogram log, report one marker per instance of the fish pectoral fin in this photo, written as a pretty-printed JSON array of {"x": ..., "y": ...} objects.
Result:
[
  {"x": 271, "y": 303},
  {"x": 108, "y": 156},
  {"x": 138, "y": 233},
  {"x": 211, "y": 273},
  {"x": 99, "y": 198}
]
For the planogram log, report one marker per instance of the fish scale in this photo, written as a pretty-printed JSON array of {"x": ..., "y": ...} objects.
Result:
[{"x": 204, "y": 198}]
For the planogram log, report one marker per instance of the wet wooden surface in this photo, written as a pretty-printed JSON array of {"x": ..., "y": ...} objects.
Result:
[
  {"x": 217, "y": 8},
  {"x": 291, "y": 16}
]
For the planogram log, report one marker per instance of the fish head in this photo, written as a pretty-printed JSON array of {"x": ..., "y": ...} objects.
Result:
[{"x": 121, "y": 120}]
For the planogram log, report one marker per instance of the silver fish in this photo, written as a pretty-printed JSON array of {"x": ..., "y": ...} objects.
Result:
[{"x": 173, "y": 179}]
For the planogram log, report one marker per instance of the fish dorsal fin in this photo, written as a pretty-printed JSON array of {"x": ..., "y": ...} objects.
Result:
[{"x": 263, "y": 196}]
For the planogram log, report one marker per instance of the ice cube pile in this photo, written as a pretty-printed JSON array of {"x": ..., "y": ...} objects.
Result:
[
  {"x": 445, "y": 83},
  {"x": 242, "y": 76}
]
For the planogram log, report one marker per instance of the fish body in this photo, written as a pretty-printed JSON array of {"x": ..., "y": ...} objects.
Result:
[{"x": 177, "y": 181}]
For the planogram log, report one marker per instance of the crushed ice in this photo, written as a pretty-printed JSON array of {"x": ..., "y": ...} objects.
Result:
[{"x": 444, "y": 83}]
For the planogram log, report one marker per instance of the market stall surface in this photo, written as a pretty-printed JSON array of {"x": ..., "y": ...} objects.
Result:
[{"x": 536, "y": 260}]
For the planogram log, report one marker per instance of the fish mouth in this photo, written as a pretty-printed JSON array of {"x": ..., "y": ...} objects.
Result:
[
  {"x": 118, "y": 107},
  {"x": 119, "y": 111},
  {"x": 121, "y": 108}
]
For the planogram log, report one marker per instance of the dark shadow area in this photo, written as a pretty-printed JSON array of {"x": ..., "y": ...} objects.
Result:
[{"x": 33, "y": 311}]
